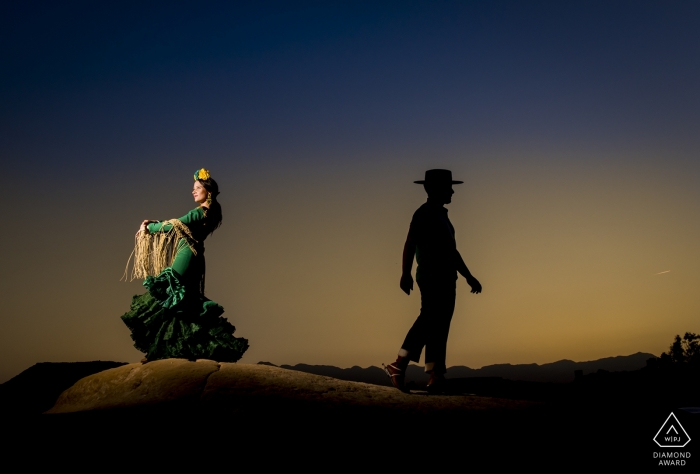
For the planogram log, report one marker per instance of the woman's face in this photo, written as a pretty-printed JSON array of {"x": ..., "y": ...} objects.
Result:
[{"x": 199, "y": 193}]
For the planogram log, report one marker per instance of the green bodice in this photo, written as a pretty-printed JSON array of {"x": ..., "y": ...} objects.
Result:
[
  {"x": 190, "y": 267},
  {"x": 195, "y": 220}
]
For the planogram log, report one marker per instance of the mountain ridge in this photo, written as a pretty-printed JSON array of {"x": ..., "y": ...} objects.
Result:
[{"x": 561, "y": 371}]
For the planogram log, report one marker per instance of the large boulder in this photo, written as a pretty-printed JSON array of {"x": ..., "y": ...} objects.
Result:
[
  {"x": 163, "y": 382},
  {"x": 233, "y": 388}
]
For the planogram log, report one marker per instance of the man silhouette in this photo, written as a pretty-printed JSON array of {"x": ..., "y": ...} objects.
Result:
[{"x": 431, "y": 238}]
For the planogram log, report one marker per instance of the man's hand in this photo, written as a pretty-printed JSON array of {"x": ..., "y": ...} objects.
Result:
[
  {"x": 406, "y": 283},
  {"x": 474, "y": 283}
]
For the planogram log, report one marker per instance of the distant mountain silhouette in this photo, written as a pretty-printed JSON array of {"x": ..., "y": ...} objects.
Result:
[
  {"x": 561, "y": 371},
  {"x": 557, "y": 372}
]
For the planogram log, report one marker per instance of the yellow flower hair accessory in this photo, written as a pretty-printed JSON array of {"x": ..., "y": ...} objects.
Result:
[{"x": 202, "y": 174}]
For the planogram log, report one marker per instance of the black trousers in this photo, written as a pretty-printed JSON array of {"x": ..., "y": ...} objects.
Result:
[{"x": 432, "y": 326}]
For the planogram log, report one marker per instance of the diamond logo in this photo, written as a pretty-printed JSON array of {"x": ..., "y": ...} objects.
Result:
[{"x": 672, "y": 434}]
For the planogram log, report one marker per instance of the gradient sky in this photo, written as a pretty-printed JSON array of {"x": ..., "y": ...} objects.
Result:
[{"x": 575, "y": 126}]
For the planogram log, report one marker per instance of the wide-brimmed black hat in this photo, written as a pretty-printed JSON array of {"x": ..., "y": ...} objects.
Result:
[{"x": 438, "y": 177}]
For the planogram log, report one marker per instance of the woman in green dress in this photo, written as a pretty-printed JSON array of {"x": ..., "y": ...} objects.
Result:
[{"x": 173, "y": 318}]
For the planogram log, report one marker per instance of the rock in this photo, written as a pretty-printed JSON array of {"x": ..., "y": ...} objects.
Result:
[
  {"x": 138, "y": 385},
  {"x": 234, "y": 388},
  {"x": 36, "y": 389}
]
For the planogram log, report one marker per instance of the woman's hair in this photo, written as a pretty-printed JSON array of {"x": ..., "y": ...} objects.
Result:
[{"x": 214, "y": 213}]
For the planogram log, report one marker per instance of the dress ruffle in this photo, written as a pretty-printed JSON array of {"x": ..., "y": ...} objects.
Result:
[{"x": 172, "y": 321}]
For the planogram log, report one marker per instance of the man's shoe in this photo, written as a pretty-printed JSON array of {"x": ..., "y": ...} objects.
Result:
[
  {"x": 397, "y": 376},
  {"x": 436, "y": 384}
]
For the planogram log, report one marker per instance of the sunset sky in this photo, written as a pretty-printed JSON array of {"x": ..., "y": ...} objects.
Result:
[{"x": 575, "y": 126}]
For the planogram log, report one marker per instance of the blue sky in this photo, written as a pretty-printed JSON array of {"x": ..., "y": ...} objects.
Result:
[{"x": 573, "y": 124}]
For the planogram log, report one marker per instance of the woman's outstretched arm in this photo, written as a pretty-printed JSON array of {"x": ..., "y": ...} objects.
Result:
[{"x": 161, "y": 226}]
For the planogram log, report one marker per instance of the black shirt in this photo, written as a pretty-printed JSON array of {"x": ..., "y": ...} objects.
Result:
[{"x": 434, "y": 237}]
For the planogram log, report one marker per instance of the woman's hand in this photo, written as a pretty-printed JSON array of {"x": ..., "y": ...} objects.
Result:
[{"x": 144, "y": 226}]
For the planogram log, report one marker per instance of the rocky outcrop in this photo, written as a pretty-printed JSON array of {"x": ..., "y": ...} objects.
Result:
[
  {"x": 233, "y": 388},
  {"x": 138, "y": 385},
  {"x": 36, "y": 389}
]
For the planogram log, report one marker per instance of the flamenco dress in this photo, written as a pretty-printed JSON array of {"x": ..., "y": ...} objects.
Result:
[{"x": 174, "y": 319}]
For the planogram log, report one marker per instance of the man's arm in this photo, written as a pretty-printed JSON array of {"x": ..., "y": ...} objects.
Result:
[
  {"x": 409, "y": 250},
  {"x": 464, "y": 271}
]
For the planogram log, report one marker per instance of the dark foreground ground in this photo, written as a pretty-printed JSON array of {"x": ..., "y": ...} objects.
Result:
[{"x": 601, "y": 421}]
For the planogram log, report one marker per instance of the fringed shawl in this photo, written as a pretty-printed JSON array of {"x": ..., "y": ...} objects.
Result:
[{"x": 154, "y": 252}]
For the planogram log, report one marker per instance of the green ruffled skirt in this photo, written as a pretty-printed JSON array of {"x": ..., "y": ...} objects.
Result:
[{"x": 172, "y": 321}]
